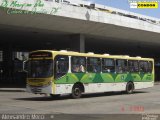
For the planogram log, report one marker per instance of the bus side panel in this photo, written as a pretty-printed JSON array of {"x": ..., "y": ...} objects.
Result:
[
  {"x": 104, "y": 87},
  {"x": 140, "y": 85},
  {"x": 93, "y": 82},
  {"x": 64, "y": 84},
  {"x": 63, "y": 88},
  {"x": 99, "y": 82}
]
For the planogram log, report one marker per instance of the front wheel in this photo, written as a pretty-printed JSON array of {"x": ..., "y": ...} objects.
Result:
[
  {"x": 129, "y": 88},
  {"x": 76, "y": 92}
]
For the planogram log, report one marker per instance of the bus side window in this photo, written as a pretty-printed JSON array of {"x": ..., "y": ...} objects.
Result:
[
  {"x": 133, "y": 66},
  {"x": 61, "y": 66},
  {"x": 78, "y": 64},
  {"x": 94, "y": 65},
  {"x": 143, "y": 66},
  {"x": 121, "y": 66},
  {"x": 108, "y": 65}
]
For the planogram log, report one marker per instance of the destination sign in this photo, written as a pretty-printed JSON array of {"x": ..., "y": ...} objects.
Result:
[{"x": 40, "y": 54}]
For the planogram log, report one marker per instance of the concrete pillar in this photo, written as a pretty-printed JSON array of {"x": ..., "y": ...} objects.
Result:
[
  {"x": 78, "y": 43},
  {"x": 7, "y": 63}
]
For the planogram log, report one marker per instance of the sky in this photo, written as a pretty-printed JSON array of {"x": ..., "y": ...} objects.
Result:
[{"x": 124, "y": 4}]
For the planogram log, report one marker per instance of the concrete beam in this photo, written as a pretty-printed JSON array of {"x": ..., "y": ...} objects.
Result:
[
  {"x": 79, "y": 20},
  {"x": 78, "y": 43}
]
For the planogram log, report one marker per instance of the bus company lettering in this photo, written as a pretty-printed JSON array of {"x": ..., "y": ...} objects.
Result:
[{"x": 15, "y": 7}]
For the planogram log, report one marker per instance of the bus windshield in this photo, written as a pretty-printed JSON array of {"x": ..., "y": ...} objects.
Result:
[{"x": 40, "y": 68}]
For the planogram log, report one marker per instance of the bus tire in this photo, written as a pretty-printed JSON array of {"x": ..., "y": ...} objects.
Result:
[
  {"x": 129, "y": 88},
  {"x": 76, "y": 92}
]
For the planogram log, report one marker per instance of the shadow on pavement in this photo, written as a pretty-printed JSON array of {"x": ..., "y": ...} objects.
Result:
[{"x": 65, "y": 97}]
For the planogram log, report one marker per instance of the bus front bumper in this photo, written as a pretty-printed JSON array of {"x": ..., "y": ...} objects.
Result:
[{"x": 39, "y": 90}]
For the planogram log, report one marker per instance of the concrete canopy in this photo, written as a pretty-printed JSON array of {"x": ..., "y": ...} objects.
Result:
[{"x": 97, "y": 27}]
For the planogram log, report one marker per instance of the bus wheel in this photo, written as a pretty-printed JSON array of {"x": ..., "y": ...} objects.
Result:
[
  {"x": 129, "y": 88},
  {"x": 76, "y": 92}
]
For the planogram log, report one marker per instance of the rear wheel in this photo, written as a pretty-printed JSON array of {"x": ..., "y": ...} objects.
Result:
[
  {"x": 76, "y": 92},
  {"x": 129, "y": 88}
]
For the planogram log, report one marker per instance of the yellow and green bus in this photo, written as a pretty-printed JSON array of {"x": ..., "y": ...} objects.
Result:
[{"x": 68, "y": 72}]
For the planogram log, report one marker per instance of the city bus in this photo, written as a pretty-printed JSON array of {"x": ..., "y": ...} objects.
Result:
[{"x": 68, "y": 72}]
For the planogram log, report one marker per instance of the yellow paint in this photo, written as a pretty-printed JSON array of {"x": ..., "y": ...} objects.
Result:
[
  {"x": 109, "y": 75},
  {"x": 147, "y": 5},
  {"x": 39, "y": 81},
  {"x": 86, "y": 76},
  {"x": 74, "y": 76},
  {"x": 53, "y": 88},
  {"x": 72, "y": 53}
]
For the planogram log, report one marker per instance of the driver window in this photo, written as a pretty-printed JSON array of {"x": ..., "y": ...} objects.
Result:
[{"x": 61, "y": 64}]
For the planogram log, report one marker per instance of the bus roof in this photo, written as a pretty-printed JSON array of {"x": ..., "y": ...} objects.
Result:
[{"x": 90, "y": 54}]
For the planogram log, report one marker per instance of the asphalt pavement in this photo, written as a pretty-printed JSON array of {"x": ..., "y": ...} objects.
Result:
[{"x": 143, "y": 104}]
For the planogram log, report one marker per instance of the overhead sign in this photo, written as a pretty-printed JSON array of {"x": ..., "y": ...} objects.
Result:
[{"x": 40, "y": 54}]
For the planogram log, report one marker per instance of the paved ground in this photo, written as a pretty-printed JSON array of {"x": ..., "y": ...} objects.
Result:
[{"x": 143, "y": 101}]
